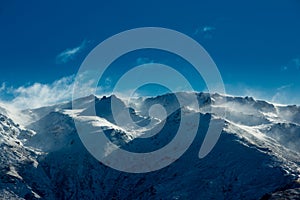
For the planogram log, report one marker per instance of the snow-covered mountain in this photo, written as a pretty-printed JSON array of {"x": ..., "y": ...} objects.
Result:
[{"x": 257, "y": 155}]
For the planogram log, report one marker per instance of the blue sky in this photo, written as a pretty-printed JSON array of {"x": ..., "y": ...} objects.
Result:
[{"x": 255, "y": 44}]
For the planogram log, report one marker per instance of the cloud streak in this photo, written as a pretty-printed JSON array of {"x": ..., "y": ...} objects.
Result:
[
  {"x": 205, "y": 31},
  {"x": 284, "y": 94},
  {"x": 296, "y": 62},
  {"x": 285, "y": 87},
  {"x": 38, "y": 95},
  {"x": 69, "y": 54},
  {"x": 292, "y": 65},
  {"x": 2, "y": 87}
]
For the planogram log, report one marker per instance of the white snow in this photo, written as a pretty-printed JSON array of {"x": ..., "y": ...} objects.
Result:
[{"x": 257, "y": 152}]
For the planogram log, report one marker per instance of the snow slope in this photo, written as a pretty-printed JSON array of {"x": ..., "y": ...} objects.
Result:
[{"x": 257, "y": 153}]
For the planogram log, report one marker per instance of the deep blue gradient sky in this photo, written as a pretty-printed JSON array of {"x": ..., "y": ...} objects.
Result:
[{"x": 255, "y": 44}]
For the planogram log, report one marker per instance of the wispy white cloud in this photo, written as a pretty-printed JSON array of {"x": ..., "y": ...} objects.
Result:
[
  {"x": 282, "y": 95},
  {"x": 285, "y": 87},
  {"x": 3, "y": 87},
  {"x": 205, "y": 31},
  {"x": 71, "y": 53},
  {"x": 39, "y": 95},
  {"x": 296, "y": 62},
  {"x": 143, "y": 60},
  {"x": 292, "y": 65},
  {"x": 208, "y": 28}
]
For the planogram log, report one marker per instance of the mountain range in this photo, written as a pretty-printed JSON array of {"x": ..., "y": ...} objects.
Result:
[{"x": 257, "y": 155}]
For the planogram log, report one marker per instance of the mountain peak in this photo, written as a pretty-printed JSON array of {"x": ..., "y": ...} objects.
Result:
[{"x": 257, "y": 148}]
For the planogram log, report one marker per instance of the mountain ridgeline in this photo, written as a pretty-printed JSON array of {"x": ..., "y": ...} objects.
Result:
[{"x": 256, "y": 157}]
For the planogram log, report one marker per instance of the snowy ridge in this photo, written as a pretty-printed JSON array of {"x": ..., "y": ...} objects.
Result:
[
  {"x": 18, "y": 164},
  {"x": 256, "y": 155}
]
